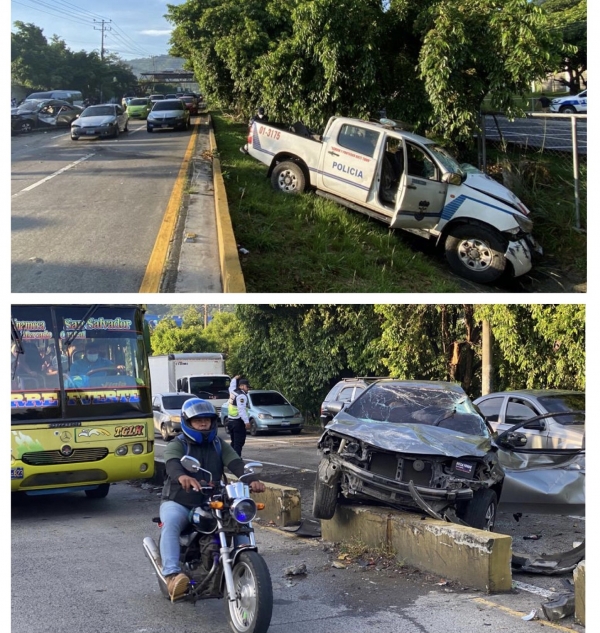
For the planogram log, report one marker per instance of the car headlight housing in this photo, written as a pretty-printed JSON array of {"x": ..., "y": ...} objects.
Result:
[
  {"x": 265, "y": 416},
  {"x": 108, "y": 124},
  {"x": 297, "y": 414},
  {"x": 525, "y": 224}
]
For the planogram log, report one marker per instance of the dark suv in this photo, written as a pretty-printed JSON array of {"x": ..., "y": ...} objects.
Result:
[{"x": 344, "y": 392}]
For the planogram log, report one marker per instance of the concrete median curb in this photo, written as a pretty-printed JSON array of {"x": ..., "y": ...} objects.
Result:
[
  {"x": 232, "y": 277},
  {"x": 579, "y": 582},
  {"x": 473, "y": 557},
  {"x": 282, "y": 504}
]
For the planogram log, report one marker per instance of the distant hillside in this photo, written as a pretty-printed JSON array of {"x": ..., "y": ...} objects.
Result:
[{"x": 155, "y": 64}]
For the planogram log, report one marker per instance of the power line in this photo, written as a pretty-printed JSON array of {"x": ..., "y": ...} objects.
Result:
[{"x": 54, "y": 15}]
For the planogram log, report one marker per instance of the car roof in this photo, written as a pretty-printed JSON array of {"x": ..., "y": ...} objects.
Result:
[
  {"x": 432, "y": 384},
  {"x": 410, "y": 136},
  {"x": 252, "y": 391}
]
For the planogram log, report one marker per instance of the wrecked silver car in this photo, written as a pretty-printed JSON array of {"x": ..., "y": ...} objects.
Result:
[{"x": 413, "y": 445}]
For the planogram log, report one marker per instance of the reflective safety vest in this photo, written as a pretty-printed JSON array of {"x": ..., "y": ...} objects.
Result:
[{"x": 232, "y": 408}]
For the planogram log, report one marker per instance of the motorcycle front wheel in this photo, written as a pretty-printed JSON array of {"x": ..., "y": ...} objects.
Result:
[{"x": 252, "y": 610}]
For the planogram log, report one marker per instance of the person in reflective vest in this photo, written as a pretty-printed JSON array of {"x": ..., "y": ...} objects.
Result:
[{"x": 237, "y": 413}]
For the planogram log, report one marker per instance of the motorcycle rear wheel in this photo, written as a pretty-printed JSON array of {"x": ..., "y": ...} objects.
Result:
[{"x": 251, "y": 612}]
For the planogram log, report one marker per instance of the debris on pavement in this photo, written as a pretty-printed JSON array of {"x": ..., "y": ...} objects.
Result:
[
  {"x": 532, "y": 537},
  {"x": 532, "y": 615},
  {"x": 560, "y": 607},
  {"x": 295, "y": 570},
  {"x": 549, "y": 564}
]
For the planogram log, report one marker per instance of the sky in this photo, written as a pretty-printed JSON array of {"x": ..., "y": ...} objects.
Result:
[{"x": 133, "y": 28}]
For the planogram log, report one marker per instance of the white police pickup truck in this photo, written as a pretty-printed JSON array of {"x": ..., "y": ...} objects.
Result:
[
  {"x": 571, "y": 104},
  {"x": 406, "y": 181}
]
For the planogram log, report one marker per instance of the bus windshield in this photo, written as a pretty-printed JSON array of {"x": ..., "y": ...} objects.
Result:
[{"x": 78, "y": 362}]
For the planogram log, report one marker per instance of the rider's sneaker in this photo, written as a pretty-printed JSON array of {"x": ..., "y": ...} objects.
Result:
[{"x": 177, "y": 585}]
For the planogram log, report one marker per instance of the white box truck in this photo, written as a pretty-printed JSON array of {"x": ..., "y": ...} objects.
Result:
[{"x": 202, "y": 374}]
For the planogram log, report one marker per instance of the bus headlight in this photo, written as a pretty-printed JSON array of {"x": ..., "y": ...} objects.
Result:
[
  {"x": 137, "y": 449},
  {"x": 121, "y": 450}
]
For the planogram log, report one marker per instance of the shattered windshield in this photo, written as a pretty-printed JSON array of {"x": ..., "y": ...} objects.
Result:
[
  {"x": 434, "y": 406},
  {"x": 446, "y": 159}
]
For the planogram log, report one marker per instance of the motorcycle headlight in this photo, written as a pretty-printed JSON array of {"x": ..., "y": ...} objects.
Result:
[{"x": 243, "y": 510}]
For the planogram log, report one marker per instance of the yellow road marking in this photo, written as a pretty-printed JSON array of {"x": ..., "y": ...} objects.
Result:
[
  {"x": 156, "y": 264},
  {"x": 519, "y": 614}
]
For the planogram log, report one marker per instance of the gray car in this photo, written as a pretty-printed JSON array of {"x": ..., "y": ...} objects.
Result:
[
  {"x": 108, "y": 119},
  {"x": 506, "y": 408},
  {"x": 166, "y": 409},
  {"x": 269, "y": 411},
  {"x": 168, "y": 113}
]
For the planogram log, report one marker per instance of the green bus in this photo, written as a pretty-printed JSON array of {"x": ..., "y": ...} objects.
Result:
[{"x": 81, "y": 414}]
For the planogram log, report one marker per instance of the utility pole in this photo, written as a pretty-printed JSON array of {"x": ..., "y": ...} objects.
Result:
[
  {"x": 102, "y": 28},
  {"x": 487, "y": 340},
  {"x": 205, "y": 316}
]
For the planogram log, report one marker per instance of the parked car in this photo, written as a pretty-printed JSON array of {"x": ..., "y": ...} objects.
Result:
[
  {"x": 43, "y": 113},
  {"x": 570, "y": 104},
  {"x": 269, "y": 411},
  {"x": 170, "y": 113},
  {"x": 166, "y": 409},
  {"x": 156, "y": 97},
  {"x": 505, "y": 409},
  {"x": 344, "y": 392},
  {"x": 108, "y": 119},
  {"x": 139, "y": 108}
]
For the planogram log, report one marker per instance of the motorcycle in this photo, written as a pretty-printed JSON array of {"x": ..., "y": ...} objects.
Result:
[{"x": 218, "y": 552}]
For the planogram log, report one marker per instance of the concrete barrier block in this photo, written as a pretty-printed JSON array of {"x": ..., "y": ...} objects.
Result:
[
  {"x": 473, "y": 557},
  {"x": 579, "y": 581}
]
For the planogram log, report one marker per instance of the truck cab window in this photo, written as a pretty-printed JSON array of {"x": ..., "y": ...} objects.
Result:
[{"x": 419, "y": 163}]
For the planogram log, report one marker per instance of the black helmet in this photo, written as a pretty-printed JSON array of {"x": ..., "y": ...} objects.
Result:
[
  {"x": 197, "y": 408},
  {"x": 244, "y": 381},
  {"x": 261, "y": 111}
]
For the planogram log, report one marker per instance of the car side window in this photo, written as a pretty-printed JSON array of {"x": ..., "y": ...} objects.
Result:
[
  {"x": 518, "y": 411},
  {"x": 491, "y": 409},
  {"x": 358, "y": 139},
  {"x": 419, "y": 163},
  {"x": 345, "y": 394}
]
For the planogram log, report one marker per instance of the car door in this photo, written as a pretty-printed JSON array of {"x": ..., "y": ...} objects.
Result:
[
  {"x": 66, "y": 115},
  {"x": 505, "y": 412},
  {"x": 348, "y": 162},
  {"x": 421, "y": 193}
]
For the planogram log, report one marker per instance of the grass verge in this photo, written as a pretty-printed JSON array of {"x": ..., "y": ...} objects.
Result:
[{"x": 308, "y": 244}]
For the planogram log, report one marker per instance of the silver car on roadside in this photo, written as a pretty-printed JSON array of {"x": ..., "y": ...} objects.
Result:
[{"x": 168, "y": 113}]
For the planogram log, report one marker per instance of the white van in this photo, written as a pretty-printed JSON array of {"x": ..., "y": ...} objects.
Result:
[{"x": 74, "y": 97}]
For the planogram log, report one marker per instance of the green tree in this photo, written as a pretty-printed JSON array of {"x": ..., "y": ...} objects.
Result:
[
  {"x": 167, "y": 338},
  {"x": 568, "y": 22},
  {"x": 537, "y": 346}
]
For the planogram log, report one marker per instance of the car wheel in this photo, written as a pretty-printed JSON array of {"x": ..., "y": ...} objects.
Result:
[
  {"x": 98, "y": 493},
  {"x": 164, "y": 432},
  {"x": 25, "y": 127},
  {"x": 324, "y": 500},
  {"x": 148, "y": 129},
  {"x": 116, "y": 134},
  {"x": 288, "y": 177},
  {"x": 74, "y": 138},
  {"x": 480, "y": 511},
  {"x": 476, "y": 252},
  {"x": 568, "y": 110},
  {"x": 253, "y": 429}
]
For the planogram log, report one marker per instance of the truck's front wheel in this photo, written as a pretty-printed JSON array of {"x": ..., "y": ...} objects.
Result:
[
  {"x": 476, "y": 252},
  {"x": 288, "y": 177}
]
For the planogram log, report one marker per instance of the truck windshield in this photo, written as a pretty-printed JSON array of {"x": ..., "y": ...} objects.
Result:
[
  {"x": 215, "y": 386},
  {"x": 100, "y": 373},
  {"x": 446, "y": 160}
]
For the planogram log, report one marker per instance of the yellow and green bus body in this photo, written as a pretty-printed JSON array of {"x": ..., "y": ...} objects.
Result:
[{"x": 79, "y": 421}]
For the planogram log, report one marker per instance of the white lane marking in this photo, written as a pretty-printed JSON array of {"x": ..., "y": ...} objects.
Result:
[
  {"x": 60, "y": 135},
  {"x": 533, "y": 589},
  {"x": 304, "y": 470},
  {"x": 56, "y": 173}
]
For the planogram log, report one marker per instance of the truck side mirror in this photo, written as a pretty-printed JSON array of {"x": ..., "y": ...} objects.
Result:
[{"x": 451, "y": 178}]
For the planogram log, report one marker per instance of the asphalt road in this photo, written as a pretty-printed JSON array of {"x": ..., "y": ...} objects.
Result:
[
  {"x": 550, "y": 133},
  {"x": 77, "y": 565},
  {"x": 86, "y": 214}
]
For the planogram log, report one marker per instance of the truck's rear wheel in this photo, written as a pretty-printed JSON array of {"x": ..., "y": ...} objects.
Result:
[
  {"x": 288, "y": 177},
  {"x": 476, "y": 252}
]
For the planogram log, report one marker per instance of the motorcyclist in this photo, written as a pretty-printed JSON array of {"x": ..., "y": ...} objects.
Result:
[
  {"x": 237, "y": 413},
  {"x": 182, "y": 491}
]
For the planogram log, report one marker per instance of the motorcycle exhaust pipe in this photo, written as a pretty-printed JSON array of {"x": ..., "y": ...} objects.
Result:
[{"x": 154, "y": 556}]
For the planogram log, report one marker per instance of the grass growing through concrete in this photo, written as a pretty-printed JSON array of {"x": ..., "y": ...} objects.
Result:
[{"x": 308, "y": 244}]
